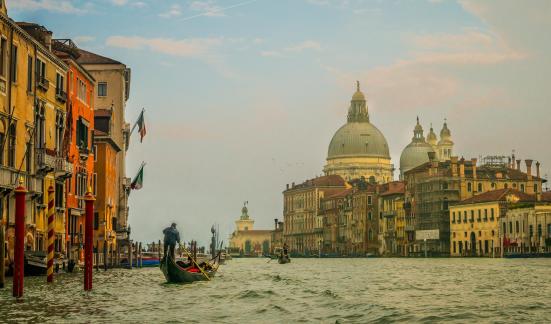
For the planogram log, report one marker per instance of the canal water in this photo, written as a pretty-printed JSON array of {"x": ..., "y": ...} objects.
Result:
[{"x": 307, "y": 290}]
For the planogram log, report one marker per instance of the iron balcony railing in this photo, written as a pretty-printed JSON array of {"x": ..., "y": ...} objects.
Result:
[
  {"x": 61, "y": 95},
  {"x": 43, "y": 84},
  {"x": 44, "y": 162}
]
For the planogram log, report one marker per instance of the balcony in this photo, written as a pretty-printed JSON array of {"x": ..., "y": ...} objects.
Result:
[
  {"x": 63, "y": 168},
  {"x": 45, "y": 161},
  {"x": 61, "y": 95},
  {"x": 43, "y": 84},
  {"x": 389, "y": 214},
  {"x": 84, "y": 152}
]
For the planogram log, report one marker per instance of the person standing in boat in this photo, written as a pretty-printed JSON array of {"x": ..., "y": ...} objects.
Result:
[
  {"x": 172, "y": 236},
  {"x": 285, "y": 249}
]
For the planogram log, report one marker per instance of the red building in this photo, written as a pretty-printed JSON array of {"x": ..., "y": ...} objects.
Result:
[{"x": 77, "y": 143}]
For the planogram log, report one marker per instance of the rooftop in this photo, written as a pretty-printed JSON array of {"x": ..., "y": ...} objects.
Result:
[
  {"x": 500, "y": 195},
  {"x": 92, "y": 58}
]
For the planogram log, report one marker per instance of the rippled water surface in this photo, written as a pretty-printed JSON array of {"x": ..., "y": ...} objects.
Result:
[{"x": 307, "y": 290}]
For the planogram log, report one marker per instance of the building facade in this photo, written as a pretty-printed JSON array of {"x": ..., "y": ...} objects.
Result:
[
  {"x": 474, "y": 222},
  {"x": 358, "y": 148},
  {"x": 112, "y": 92},
  {"x": 246, "y": 240},
  {"x": 392, "y": 235},
  {"x": 303, "y": 225},
  {"x": 78, "y": 144}
]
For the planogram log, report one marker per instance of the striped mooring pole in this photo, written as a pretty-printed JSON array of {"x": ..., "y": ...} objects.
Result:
[{"x": 51, "y": 241}]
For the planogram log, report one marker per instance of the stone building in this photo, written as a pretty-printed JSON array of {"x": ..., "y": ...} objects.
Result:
[
  {"x": 358, "y": 148},
  {"x": 334, "y": 210},
  {"x": 392, "y": 236},
  {"x": 247, "y": 240},
  {"x": 32, "y": 128},
  {"x": 303, "y": 226},
  {"x": 527, "y": 227},
  {"x": 474, "y": 222},
  {"x": 277, "y": 237},
  {"x": 435, "y": 185},
  {"x": 112, "y": 138},
  {"x": 78, "y": 143}
]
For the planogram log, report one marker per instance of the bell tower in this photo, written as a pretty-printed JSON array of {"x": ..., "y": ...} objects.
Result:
[{"x": 3, "y": 8}]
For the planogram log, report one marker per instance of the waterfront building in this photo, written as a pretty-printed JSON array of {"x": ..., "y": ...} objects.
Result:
[
  {"x": 392, "y": 218},
  {"x": 333, "y": 211},
  {"x": 434, "y": 186},
  {"x": 527, "y": 227},
  {"x": 32, "y": 124},
  {"x": 365, "y": 220},
  {"x": 78, "y": 144},
  {"x": 303, "y": 226},
  {"x": 474, "y": 222},
  {"x": 358, "y": 148},
  {"x": 111, "y": 142},
  {"x": 246, "y": 240}
]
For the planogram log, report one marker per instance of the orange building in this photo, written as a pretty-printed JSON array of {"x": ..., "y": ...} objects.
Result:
[
  {"x": 106, "y": 204},
  {"x": 77, "y": 143}
]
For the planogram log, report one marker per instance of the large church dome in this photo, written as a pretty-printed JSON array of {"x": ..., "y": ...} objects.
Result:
[
  {"x": 416, "y": 152},
  {"x": 358, "y": 148},
  {"x": 358, "y": 139}
]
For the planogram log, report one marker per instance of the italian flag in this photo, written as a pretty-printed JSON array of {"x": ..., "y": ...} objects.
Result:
[
  {"x": 137, "y": 183},
  {"x": 141, "y": 126}
]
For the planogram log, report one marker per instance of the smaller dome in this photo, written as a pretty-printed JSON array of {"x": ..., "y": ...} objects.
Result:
[
  {"x": 416, "y": 152},
  {"x": 445, "y": 132}
]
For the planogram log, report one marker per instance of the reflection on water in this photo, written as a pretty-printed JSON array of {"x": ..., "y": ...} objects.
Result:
[{"x": 307, "y": 290}]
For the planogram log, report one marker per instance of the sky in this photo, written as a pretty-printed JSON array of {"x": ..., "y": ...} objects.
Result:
[{"x": 243, "y": 97}]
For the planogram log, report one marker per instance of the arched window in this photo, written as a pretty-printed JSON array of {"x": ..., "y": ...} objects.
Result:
[
  {"x": 445, "y": 204},
  {"x": 522, "y": 187},
  {"x": 370, "y": 235},
  {"x": 469, "y": 187},
  {"x": 480, "y": 187}
]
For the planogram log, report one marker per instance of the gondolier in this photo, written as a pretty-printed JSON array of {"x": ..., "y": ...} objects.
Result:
[{"x": 172, "y": 236}]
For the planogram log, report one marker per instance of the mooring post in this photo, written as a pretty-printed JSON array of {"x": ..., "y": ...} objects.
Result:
[
  {"x": 130, "y": 254},
  {"x": 105, "y": 255},
  {"x": 96, "y": 256},
  {"x": 2, "y": 254},
  {"x": 159, "y": 250},
  {"x": 51, "y": 240},
  {"x": 19, "y": 250},
  {"x": 141, "y": 256},
  {"x": 88, "y": 240}
]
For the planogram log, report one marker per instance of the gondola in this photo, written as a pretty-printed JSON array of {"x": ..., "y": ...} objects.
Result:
[
  {"x": 282, "y": 259},
  {"x": 174, "y": 273}
]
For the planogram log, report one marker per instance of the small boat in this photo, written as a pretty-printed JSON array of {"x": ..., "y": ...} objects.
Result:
[
  {"x": 282, "y": 259},
  {"x": 36, "y": 263},
  {"x": 175, "y": 273}
]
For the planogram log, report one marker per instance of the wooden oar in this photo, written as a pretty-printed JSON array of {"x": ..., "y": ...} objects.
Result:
[{"x": 189, "y": 255}]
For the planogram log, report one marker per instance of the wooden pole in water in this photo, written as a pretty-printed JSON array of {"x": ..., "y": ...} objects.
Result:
[
  {"x": 19, "y": 251},
  {"x": 159, "y": 250},
  {"x": 88, "y": 240},
  {"x": 130, "y": 254},
  {"x": 97, "y": 255},
  {"x": 141, "y": 255},
  {"x": 51, "y": 240},
  {"x": 105, "y": 255},
  {"x": 2, "y": 253}
]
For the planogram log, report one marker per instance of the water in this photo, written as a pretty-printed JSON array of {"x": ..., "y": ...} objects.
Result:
[{"x": 307, "y": 290}]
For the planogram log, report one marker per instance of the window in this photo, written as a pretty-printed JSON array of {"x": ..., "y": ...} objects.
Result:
[
  {"x": 480, "y": 187},
  {"x": 28, "y": 158},
  {"x": 14, "y": 64},
  {"x": 531, "y": 230},
  {"x": 40, "y": 71},
  {"x": 369, "y": 216},
  {"x": 510, "y": 227},
  {"x": 95, "y": 152},
  {"x": 469, "y": 187},
  {"x": 59, "y": 84},
  {"x": 453, "y": 218},
  {"x": 81, "y": 90},
  {"x": 479, "y": 215},
  {"x": 82, "y": 133},
  {"x": 39, "y": 120},
  {"x": 539, "y": 230},
  {"x": 465, "y": 216},
  {"x": 102, "y": 89},
  {"x": 492, "y": 214},
  {"x": 370, "y": 235},
  {"x": 59, "y": 203},
  {"x": 504, "y": 228},
  {"x": 536, "y": 188},
  {"x": 96, "y": 220},
  {"x": 517, "y": 227},
  {"x": 485, "y": 214},
  {"x": 12, "y": 142},
  {"x": 59, "y": 129},
  {"x": 522, "y": 187},
  {"x": 3, "y": 60},
  {"x": 445, "y": 204},
  {"x": 95, "y": 182},
  {"x": 454, "y": 247},
  {"x": 29, "y": 74},
  {"x": 369, "y": 200}
]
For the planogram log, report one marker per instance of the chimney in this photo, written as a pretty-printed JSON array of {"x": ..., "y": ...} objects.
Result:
[
  {"x": 474, "y": 161},
  {"x": 275, "y": 220},
  {"x": 529, "y": 168},
  {"x": 293, "y": 184},
  {"x": 462, "y": 168},
  {"x": 287, "y": 186},
  {"x": 454, "y": 166},
  {"x": 538, "y": 169},
  {"x": 513, "y": 162},
  {"x": 48, "y": 40},
  {"x": 518, "y": 164}
]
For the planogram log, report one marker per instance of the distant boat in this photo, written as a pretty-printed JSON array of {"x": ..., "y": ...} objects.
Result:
[
  {"x": 283, "y": 259},
  {"x": 175, "y": 273}
]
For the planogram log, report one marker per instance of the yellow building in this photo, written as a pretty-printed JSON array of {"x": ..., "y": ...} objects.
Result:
[
  {"x": 474, "y": 222},
  {"x": 392, "y": 218},
  {"x": 32, "y": 123},
  {"x": 358, "y": 148},
  {"x": 247, "y": 241}
]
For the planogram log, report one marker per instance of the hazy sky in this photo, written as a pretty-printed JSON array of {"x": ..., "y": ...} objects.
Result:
[{"x": 243, "y": 97}]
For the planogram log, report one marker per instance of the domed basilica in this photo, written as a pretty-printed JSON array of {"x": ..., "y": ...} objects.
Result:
[{"x": 359, "y": 149}]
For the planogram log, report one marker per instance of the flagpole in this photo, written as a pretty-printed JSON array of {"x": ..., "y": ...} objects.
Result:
[{"x": 136, "y": 123}]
